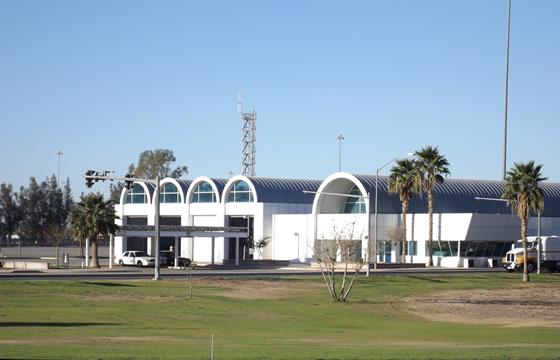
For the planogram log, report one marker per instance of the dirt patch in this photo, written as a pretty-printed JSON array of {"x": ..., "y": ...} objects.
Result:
[
  {"x": 520, "y": 307},
  {"x": 258, "y": 289}
]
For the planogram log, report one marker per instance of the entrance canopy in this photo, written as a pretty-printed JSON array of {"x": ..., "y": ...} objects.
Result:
[{"x": 182, "y": 231}]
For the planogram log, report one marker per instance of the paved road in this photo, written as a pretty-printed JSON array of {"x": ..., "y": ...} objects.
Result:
[{"x": 130, "y": 273}]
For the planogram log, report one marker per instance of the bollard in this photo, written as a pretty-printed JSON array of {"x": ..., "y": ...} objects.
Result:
[
  {"x": 65, "y": 260},
  {"x": 212, "y": 349}
]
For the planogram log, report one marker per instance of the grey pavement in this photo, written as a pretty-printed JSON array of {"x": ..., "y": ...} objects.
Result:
[
  {"x": 130, "y": 273},
  {"x": 75, "y": 271}
]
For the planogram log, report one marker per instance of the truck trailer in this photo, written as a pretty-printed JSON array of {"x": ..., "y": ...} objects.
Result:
[{"x": 550, "y": 254}]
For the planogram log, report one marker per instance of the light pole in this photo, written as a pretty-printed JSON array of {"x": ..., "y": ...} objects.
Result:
[
  {"x": 506, "y": 92},
  {"x": 375, "y": 209},
  {"x": 156, "y": 226},
  {"x": 340, "y": 137},
  {"x": 297, "y": 234},
  {"x": 59, "y": 153}
]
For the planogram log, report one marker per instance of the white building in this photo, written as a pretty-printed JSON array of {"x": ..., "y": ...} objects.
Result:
[
  {"x": 237, "y": 202},
  {"x": 289, "y": 215}
]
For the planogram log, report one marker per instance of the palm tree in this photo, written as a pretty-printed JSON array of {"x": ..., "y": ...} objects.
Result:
[
  {"x": 93, "y": 217},
  {"x": 523, "y": 194},
  {"x": 402, "y": 181},
  {"x": 431, "y": 169}
]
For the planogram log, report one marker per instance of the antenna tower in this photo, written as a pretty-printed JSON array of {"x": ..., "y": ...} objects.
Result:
[{"x": 249, "y": 138}]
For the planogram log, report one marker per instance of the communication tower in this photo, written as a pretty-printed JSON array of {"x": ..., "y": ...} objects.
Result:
[{"x": 249, "y": 138}]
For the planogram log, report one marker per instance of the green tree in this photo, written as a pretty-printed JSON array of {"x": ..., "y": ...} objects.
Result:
[
  {"x": 68, "y": 199},
  {"x": 34, "y": 209},
  {"x": 93, "y": 217},
  {"x": 523, "y": 194},
  {"x": 431, "y": 169},
  {"x": 10, "y": 211},
  {"x": 151, "y": 163},
  {"x": 403, "y": 182}
]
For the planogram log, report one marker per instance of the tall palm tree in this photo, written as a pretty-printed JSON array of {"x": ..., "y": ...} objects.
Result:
[
  {"x": 523, "y": 194},
  {"x": 93, "y": 217},
  {"x": 431, "y": 169},
  {"x": 403, "y": 181}
]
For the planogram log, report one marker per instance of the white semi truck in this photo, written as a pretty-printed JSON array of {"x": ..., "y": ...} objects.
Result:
[{"x": 550, "y": 254}]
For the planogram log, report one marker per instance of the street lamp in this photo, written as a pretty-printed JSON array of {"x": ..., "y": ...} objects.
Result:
[
  {"x": 340, "y": 137},
  {"x": 59, "y": 153},
  {"x": 375, "y": 217}
]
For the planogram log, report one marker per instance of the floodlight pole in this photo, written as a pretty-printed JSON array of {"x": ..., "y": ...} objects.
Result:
[
  {"x": 340, "y": 137},
  {"x": 59, "y": 154},
  {"x": 506, "y": 90}
]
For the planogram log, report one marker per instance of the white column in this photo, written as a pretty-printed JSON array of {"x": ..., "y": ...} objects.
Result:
[
  {"x": 192, "y": 249},
  {"x": 87, "y": 251},
  {"x": 212, "y": 256},
  {"x": 176, "y": 262},
  {"x": 236, "y": 251},
  {"x": 111, "y": 241}
]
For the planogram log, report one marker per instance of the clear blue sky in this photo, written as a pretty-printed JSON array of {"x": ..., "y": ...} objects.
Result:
[{"x": 105, "y": 80}]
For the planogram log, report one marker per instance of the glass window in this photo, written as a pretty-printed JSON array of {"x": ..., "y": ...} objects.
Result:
[
  {"x": 203, "y": 193},
  {"x": 169, "y": 194},
  {"x": 136, "y": 195},
  {"x": 240, "y": 192},
  {"x": 355, "y": 205},
  {"x": 412, "y": 248}
]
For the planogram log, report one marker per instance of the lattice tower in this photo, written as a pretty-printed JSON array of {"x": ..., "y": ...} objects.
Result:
[
  {"x": 249, "y": 153},
  {"x": 249, "y": 139}
]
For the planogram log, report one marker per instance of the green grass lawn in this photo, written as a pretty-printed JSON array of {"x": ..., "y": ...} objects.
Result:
[{"x": 147, "y": 320}]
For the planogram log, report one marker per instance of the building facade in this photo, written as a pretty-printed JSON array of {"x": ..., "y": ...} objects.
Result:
[{"x": 287, "y": 216}]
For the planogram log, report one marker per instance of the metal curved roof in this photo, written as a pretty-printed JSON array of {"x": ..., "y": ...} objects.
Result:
[
  {"x": 456, "y": 196},
  {"x": 287, "y": 191},
  {"x": 151, "y": 189},
  {"x": 185, "y": 184},
  {"x": 220, "y": 184}
]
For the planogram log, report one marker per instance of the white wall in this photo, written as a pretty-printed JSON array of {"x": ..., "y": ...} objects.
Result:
[
  {"x": 203, "y": 245},
  {"x": 284, "y": 244}
]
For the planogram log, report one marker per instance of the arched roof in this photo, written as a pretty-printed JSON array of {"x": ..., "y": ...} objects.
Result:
[
  {"x": 278, "y": 190},
  {"x": 182, "y": 187},
  {"x": 453, "y": 196},
  {"x": 217, "y": 185},
  {"x": 149, "y": 189},
  {"x": 184, "y": 184}
]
